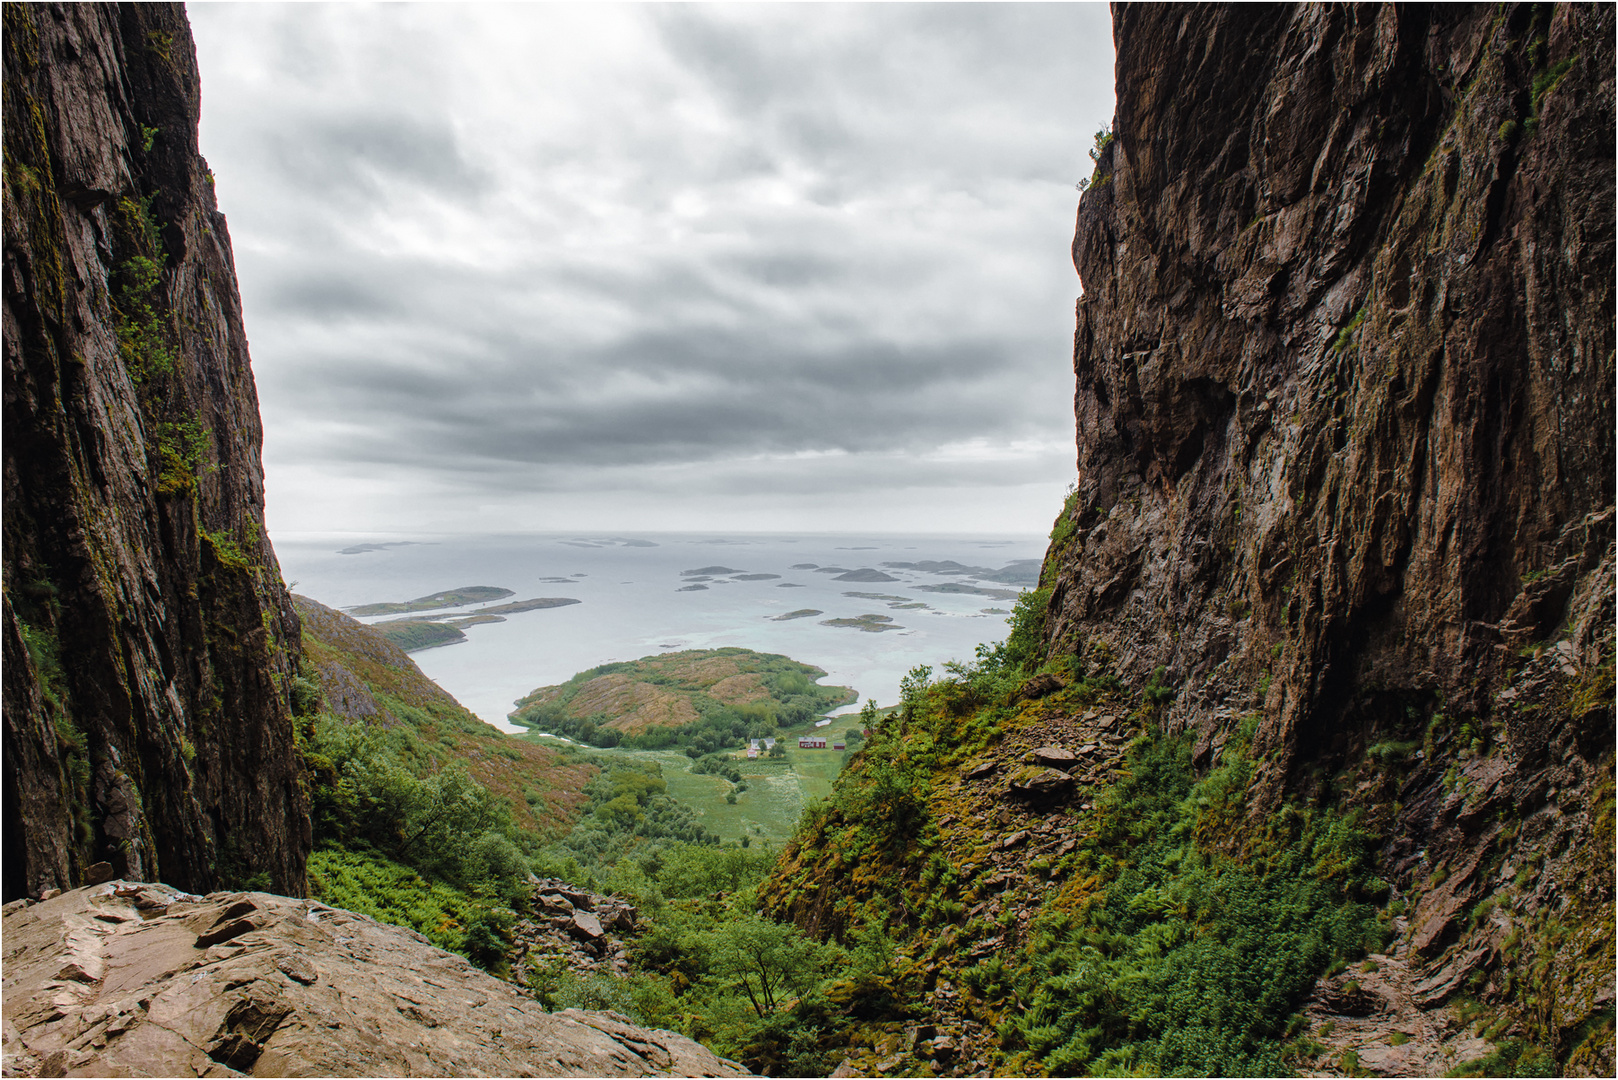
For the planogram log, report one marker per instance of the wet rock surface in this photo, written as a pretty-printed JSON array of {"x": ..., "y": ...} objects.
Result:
[{"x": 138, "y": 979}]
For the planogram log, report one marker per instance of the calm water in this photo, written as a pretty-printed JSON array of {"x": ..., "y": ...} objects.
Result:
[{"x": 634, "y": 601}]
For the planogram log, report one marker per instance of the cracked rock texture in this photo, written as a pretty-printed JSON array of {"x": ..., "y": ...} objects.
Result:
[
  {"x": 1344, "y": 358},
  {"x": 1345, "y": 380},
  {"x": 147, "y": 634},
  {"x": 128, "y": 979}
]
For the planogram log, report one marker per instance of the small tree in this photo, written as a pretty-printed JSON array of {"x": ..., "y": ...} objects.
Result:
[{"x": 770, "y": 961}]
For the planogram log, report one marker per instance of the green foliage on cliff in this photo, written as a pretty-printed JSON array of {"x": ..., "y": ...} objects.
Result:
[
  {"x": 140, "y": 318},
  {"x": 1177, "y": 938},
  {"x": 1192, "y": 959},
  {"x": 179, "y": 445}
]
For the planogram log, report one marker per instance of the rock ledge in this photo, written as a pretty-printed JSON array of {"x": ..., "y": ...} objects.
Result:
[{"x": 137, "y": 979}]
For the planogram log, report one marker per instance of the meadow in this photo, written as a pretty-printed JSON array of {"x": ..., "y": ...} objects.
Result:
[{"x": 776, "y": 789}]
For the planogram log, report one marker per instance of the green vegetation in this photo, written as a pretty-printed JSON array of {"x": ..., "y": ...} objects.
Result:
[
  {"x": 697, "y": 701},
  {"x": 541, "y": 786},
  {"x": 1066, "y": 525},
  {"x": 228, "y": 551},
  {"x": 1102, "y": 139},
  {"x": 1190, "y": 961},
  {"x": 415, "y": 634},
  {"x": 470, "y": 594},
  {"x": 874, "y": 624},
  {"x": 1514, "y": 1057},
  {"x": 1346, "y": 337},
  {"x": 179, "y": 446},
  {"x": 409, "y": 839},
  {"x": 423, "y": 815},
  {"x": 706, "y": 963},
  {"x": 144, "y": 336},
  {"x": 627, "y": 805},
  {"x": 1172, "y": 941}
]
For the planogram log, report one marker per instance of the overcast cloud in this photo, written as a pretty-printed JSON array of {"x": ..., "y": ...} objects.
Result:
[{"x": 657, "y": 267}]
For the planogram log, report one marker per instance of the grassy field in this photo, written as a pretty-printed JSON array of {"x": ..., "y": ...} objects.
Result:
[{"x": 777, "y": 788}]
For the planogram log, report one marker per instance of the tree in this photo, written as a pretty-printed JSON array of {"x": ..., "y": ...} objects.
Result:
[{"x": 770, "y": 961}]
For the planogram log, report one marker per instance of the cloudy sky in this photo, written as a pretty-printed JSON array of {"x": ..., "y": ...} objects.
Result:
[{"x": 687, "y": 267}]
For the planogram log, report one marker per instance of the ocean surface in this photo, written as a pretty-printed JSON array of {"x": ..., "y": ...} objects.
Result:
[{"x": 643, "y": 594}]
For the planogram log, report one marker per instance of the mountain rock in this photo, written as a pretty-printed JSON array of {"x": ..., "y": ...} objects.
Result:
[
  {"x": 1345, "y": 372},
  {"x": 1039, "y": 782},
  {"x": 1056, "y": 758},
  {"x": 1344, "y": 359},
  {"x": 133, "y": 979},
  {"x": 148, "y": 639}
]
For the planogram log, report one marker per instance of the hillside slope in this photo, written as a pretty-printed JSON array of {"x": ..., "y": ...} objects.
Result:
[
  {"x": 148, "y": 637},
  {"x": 362, "y": 675}
]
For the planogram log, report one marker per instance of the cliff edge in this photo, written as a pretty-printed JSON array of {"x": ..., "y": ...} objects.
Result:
[{"x": 148, "y": 637}]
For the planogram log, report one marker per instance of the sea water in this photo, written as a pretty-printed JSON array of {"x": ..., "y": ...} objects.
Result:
[{"x": 636, "y": 598}]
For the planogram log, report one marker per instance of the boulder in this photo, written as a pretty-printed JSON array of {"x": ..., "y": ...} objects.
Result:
[
  {"x": 585, "y": 926},
  {"x": 555, "y": 904},
  {"x": 580, "y": 899},
  {"x": 97, "y": 984},
  {"x": 620, "y": 918},
  {"x": 1039, "y": 782},
  {"x": 1040, "y": 686},
  {"x": 1054, "y": 757}
]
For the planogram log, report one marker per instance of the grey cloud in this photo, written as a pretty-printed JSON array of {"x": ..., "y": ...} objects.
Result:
[
  {"x": 351, "y": 157},
  {"x": 860, "y": 402},
  {"x": 853, "y": 256}
]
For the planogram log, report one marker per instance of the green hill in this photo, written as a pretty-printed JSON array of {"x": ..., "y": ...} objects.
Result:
[{"x": 698, "y": 700}]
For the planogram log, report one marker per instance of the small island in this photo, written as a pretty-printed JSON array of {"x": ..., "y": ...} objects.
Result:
[
  {"x": 801, "y": 613},
  {"x": 449, "y": 598},
  {"x": 872, "y": 624},
  {"x": 969, "y": 590},
  {"x": 429, "y": 632},
  {"x": 697, "y": 700},
  {"x": 414, "y": 635},
  {"x": 864, "y": 574}
]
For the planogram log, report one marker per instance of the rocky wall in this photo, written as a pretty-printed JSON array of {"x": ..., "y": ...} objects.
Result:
[
  {"x": 148, "y": 636},
  {"x": 1344, "y": 362}
]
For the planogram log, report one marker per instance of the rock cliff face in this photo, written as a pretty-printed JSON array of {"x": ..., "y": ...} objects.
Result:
[
  {"x": 148, "y": 637},
  {"x": 1344, "y": 359},
  {"x": 1345, "y": 376}
]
